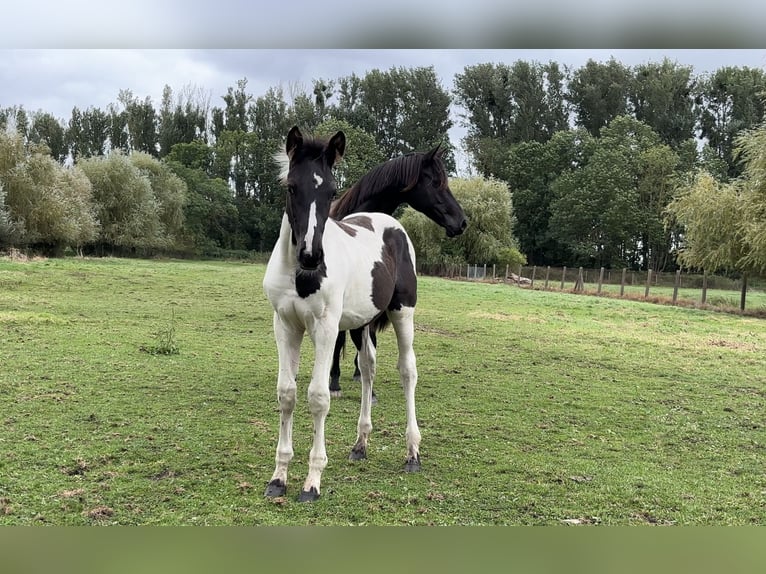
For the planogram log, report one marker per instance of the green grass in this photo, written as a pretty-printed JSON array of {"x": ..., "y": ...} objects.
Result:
[{"x": 535, "y": 407}]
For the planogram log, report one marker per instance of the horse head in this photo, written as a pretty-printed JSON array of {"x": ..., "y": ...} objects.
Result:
[
  {"x": 310, "y": 190},
  {"x": 431, "y": 195}
]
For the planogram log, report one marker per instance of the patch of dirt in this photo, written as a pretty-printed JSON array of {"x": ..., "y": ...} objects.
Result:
[
  {"x": 76, "y": 493},
  {"x": 649, "y": 519},
  {"x": 433, "y": 330},
  {"x": 733, "y": 345},
  {"x": 166, "y": 473},
  {"x": 79, "y": 467},
  {"x": 99, "y": 513}
]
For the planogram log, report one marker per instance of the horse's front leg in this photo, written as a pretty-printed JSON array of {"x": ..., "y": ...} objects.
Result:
[
  {"x": 367, "y": 356},
  {"x": 324, "y": 334},
  {"x": 288, "y": 347},
  {"x": 404, "y": 327}
]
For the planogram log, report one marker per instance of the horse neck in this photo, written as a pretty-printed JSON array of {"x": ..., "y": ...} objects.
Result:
[{"x": 384, "y": 201}]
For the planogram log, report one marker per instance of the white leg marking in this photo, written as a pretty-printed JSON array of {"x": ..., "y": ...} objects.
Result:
[
  {"x": 323, "y": 334},
  {"x": 404, "y": 327},
  {"x": 312, "y": 227},
  {"x": 317, "y": 180},
  {"x": 288, "y": 347}
]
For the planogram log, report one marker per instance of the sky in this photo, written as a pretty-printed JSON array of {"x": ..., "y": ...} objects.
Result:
[{"x": 56, "y": 55}]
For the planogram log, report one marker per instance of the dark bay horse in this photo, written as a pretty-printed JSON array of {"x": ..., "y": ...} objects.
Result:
[
  {"x": 418, "y": 179},
  {"x": 326, "y": 275}
]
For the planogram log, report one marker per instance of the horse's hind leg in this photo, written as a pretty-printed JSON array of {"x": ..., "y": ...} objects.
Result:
[
  {"x": 340, "y": 342},
  {"x": 404, "y": 326},
  {"x": 367, "y": 356},
  {"x": 288, "y": 347},
  {"x": 356, "y": 337}
]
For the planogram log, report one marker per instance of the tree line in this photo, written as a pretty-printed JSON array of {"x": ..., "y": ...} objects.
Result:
[{"x": 592, "y": 159}]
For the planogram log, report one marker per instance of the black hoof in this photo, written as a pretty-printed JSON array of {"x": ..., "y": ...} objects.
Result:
[
  {"x": 275, "y": 488},
  {"x": 358, "y": 453},
  {"x": 357, "y": 376},
  {"x": 335, "y": 384},
  {"x": 412, "y": 465},
  {"x": 336, "y": 394},
  {"x": 308, "y": 495}
]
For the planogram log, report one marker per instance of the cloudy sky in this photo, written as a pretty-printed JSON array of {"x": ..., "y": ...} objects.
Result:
[{"x": 56, "y": 80}]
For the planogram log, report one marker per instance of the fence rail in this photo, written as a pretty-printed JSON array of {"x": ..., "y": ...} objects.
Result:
[{"x": 675, "y": 285}]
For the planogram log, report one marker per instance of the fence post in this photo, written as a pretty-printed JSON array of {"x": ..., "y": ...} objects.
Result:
[
  {"x": 622, "y": 282},
  {"x": 704, "y": 286},
  {"x": 485, "y": 272},
  {"x": 648, "y": 283},
  {"x": 676, "y": 285},
  {"x": 547, "y": 274},
  {"x": 563, "y": 276},
  {"x": 468, "y": 271},
  {"x": 493, "y": 272},
  {"x": 579, "y": 284},
  {"x": 507, "y": 267},
  {"x": 600, "y": 280},
  {"x": 532, "y": 284},
  {"x": 743, "y": 295},
  {"x": 475, "y": 271}
]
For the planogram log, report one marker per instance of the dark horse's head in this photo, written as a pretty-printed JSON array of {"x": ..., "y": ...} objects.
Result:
[
  {"x": 417, "y": 178},
  {"x": 432, "y": 196},
  {"x": 310, "y": 190}
]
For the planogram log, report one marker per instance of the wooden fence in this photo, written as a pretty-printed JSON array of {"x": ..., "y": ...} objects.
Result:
[{"x": 666, "y": 284}]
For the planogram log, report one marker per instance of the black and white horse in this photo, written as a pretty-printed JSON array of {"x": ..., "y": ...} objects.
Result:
[
  {"x": 418, "y": 179},
  {"x": 326, "y": 275}
]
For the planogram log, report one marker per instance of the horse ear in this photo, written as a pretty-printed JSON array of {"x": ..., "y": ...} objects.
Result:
[
  {"x": 294, "y": 141},
  {"x": 436, "y": 152},
  {"x": 336, "y": 148}
]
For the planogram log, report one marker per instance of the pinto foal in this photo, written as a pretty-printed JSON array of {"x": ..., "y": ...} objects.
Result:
[{"x": 324, "y": 276}]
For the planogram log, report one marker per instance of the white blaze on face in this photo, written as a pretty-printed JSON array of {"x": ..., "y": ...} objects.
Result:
[
  {"x": 312, "y": 226},
  {"x": 317, "y": 180}
]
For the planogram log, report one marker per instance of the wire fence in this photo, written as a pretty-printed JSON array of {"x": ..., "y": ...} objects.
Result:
[{"x": 675, "y": 287}]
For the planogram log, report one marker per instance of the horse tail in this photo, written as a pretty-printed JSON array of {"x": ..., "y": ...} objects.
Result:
[{"x": 379, "y": 323}]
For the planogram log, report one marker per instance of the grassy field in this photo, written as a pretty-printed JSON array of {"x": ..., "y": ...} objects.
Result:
[{"x": 535, "y": 407}]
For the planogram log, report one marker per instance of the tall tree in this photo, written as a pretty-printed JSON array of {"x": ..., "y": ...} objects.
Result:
[
  {"x": 728, "y": 102},
  {"x": 141, "y": 121},
  {"x": 506, "y": 105},
  {"x": 182, "y": 119},
  {"x": 750, "y": 147},
  {"x": 48, "y": 131},
  {"x": 531, "y": 169},
  {"x": 87, "y": 132},
  {"x": 598, "y": 93},
  {"x": 404, "y": 109},
  {"x": 610, "y": 211},
  {"x": 661, "y": 95}
]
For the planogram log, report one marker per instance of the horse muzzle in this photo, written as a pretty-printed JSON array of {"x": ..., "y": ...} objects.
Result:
[
  {"x": 310, "y": 261},
  {"x": 455, "y": 230}
]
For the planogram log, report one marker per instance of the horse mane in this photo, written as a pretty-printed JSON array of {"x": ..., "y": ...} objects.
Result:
[
  {"x": 312, "y": 146},
  {"x": 402, "y": 172}
]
